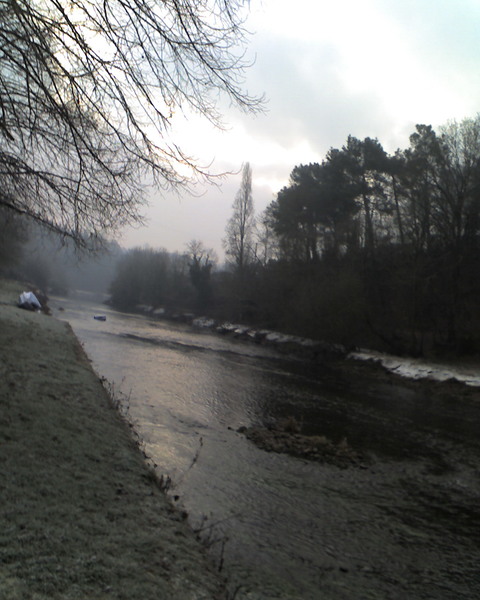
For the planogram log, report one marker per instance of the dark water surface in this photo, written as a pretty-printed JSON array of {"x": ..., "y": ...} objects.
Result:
[{"x": 405, "y": 527}]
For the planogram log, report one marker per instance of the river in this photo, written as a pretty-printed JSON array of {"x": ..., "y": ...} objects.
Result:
[{"x": 406, "y": 525}]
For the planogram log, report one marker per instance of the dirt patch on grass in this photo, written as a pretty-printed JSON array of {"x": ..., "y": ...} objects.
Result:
[{"x": 81, "y": 515}]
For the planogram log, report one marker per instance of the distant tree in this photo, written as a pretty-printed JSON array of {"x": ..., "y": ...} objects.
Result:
[
  {"x": 88, "y": 94},
  {"x": 450, "y": 164},
  {"x": 313, "y": 214},
  {"x": 338, "y": 209},
  {"x": 239, "y": 243},
  {"x": 296, "y": 214},
  {"x": 180, "y": 290},
  {"x": 365, "y": 164},
  {"x": 142, "y": 277},
  {"x": 266, "y": 244},
  {"x": 444, "y": 207},
  {"x": 201, "y": 262}
]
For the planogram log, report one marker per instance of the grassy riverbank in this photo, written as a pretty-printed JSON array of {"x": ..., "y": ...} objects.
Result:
[{"x": 80, "y": 515}]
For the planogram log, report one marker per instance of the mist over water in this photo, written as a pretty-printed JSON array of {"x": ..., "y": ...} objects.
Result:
[{"x": 279, "y": 526}]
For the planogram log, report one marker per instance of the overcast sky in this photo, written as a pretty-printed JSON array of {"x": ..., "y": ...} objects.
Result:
[{"x": 328, "y": 69}]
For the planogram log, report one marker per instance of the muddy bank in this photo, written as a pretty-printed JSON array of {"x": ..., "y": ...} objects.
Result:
[{"x": 80, "y": 514}]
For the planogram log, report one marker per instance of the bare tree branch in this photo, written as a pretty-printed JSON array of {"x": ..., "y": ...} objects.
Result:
[{"x": 88, "y": 92}]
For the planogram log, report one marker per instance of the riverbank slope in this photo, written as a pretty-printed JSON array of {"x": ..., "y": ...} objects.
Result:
[{"x": 80, "y": 514}]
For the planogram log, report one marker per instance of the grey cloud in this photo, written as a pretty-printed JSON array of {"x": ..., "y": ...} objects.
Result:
[{"x": 307, "y": 98}]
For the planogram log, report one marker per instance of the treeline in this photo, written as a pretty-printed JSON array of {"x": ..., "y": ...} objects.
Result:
[
  {"x": 381, "y": 249},
  {"x": 150, "y": 277},
  {"x": 145, "y": 277},
  {"x": 366, "y": 248}
]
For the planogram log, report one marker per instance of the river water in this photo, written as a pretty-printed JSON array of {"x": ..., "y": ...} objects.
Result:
[{"x": 286, "y": 528}]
